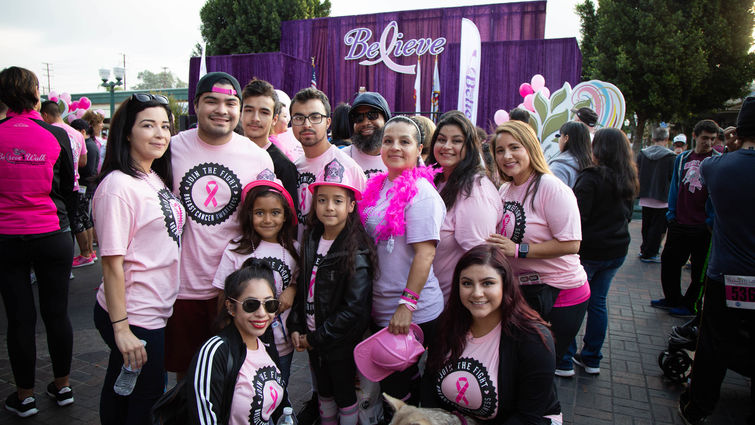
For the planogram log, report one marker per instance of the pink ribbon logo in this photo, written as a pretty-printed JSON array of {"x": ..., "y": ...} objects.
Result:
[
  {"x": 312, "y": 283},
  {"x": 462, "y": 389},
  {"x": 506, "y": 221},
  {"x": 212, "y": 189},
  {"x": 274, "y": 396}
]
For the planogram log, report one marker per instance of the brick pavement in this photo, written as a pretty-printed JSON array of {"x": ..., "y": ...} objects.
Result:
[{"x": 629, "y": 390}]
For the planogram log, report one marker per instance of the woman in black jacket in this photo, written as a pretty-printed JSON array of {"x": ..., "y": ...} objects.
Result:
[
  {"x": 234, "y": 377},
  {"x": 495, "y": 358},
  {"x": 605, "y": 193}
]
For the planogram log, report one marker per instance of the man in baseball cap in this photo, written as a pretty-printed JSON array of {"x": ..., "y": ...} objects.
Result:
[
  {"x": 586, "y": 116},
  {"x": 680, "y": 143},
  {"x": 368, "y": 115}
]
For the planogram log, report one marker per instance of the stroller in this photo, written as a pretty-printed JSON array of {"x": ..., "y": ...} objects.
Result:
[{"x": 675, "y": 361}]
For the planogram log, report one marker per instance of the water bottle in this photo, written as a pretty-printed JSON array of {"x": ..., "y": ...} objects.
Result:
[
  {"x": 287, "y": 418},
  {"x": 126, "y": 381}
]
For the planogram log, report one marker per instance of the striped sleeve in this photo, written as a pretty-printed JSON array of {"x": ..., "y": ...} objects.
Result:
[{"x": 208, "y": 380}]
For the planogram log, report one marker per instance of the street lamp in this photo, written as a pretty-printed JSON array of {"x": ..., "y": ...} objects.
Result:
[{"x": 110, "y": 85}]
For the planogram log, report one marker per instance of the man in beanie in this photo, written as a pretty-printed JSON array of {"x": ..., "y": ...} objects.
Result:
[
  {"x": 586, "y": 116},
  {"x": 729, "y": 309},
  {"x": 211, "y": 165},
  {"x": 368, "y": 115}
]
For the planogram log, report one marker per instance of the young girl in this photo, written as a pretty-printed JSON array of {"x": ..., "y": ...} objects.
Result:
[
  {"x": 235, "y": 376},
  {"x": 332, "y": 309},
  {"x": 267, "y": 218}
]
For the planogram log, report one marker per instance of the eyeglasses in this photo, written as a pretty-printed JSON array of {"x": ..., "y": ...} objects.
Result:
[
  {"x": 357, "y": 117},
  {"x": 315, "y": 118},
  {"x": 147, "y": 97},
  {"x": 250, "y": 305}
]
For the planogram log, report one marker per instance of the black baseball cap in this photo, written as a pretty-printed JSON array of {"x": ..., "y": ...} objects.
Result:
[
  {"x": 206, "y": 83},
  {"x": 374, "y": 100}
]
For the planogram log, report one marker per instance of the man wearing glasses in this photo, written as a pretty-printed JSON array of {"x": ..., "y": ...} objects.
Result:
[
  {"x": 310, "y": 119},
  {"x": 368, "y": 115}
]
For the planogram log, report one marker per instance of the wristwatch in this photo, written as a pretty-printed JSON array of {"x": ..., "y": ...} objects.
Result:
[{"x": 524, "y": 249}]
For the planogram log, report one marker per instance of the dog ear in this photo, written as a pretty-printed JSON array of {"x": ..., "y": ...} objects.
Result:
[{"x": 395, "y": 403}]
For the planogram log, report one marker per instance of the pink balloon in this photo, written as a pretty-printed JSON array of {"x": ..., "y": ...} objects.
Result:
[
  {"x": 500, "y": 116},
  {"x": 53, "y": 99},
  {"x": 525, "y": 89},
  {"x": 66, "y": 97},
  {"x": 52, "y": 94},
  {"x": 70, "y": 118},
  {"x": 528, "y": 102},
  {"x": 85, "y": 103},
  {"x": 545, "y": 92},
  {"x": 73, "y": 106},
  {"x": 521, "y": 105},
  {"x": 80, "y": 113},
  {"x": 538, "y": 82}
]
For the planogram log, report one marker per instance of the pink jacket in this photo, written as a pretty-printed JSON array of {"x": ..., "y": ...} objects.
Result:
[{"x": 36, "y": 176}]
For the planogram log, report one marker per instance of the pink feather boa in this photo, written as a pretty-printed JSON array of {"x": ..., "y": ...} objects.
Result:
[{"x": 400, "y": 194}]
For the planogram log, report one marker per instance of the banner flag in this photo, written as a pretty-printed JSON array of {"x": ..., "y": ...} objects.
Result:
[
  {"x": 203, "y": 62},
  {"x": 469, "y": 69},
  {"x": 417, "y": 92}
]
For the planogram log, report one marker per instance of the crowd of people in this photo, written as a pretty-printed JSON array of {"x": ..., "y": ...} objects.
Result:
[{"x": 228, "y": 246}]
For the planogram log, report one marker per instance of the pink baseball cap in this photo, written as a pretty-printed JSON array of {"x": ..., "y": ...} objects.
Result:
[
  {"x": 385, "y": 353},
  {"x": 334, "y": 174},
  {"x": 274, "y": 186}
]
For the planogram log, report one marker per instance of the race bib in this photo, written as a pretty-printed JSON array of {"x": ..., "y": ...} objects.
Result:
[{"x": 740, "y": 292}]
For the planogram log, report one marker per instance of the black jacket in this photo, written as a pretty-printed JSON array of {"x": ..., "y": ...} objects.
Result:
[
  {"x": 655, "y": 165},
  {"x": 343, "y": 307},
  {"x": 605, "y": 217},
  {"x": 526, "y": 388},
  {"x": 285, "y": 170},
  {"x": 209, "y": 390}
]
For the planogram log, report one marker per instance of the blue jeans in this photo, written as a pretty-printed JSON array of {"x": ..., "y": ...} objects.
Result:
[{"x": 600, "y": 273}]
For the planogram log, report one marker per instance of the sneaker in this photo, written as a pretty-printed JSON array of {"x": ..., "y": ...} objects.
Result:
[
  {"x": 661, "y": 303},
  {"x": 24, "y": 408},
  {"x": 588, "y": 369},
  {"x": 80, "y": 261},
  {"x": 565, "y": 373},
  {"x": 653, "y": 259},
  {"x": 94, "y": 255},
  {"x": 71, "y": 276},
  {"x": 681, "y": 312},
  {"x": 63, "y": 396}
]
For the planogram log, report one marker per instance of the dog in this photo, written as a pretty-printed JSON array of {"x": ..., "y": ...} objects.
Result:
[{"x": 405, "y": 414}]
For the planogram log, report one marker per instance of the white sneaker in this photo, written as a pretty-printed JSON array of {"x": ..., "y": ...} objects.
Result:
[{"x": 565, "y": 373}]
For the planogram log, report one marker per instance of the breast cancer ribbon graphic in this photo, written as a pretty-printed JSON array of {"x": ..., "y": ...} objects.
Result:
[
  {"x": 312, "y": 283},
  {"x": 506, "y": 221},
  {"x": 462, "y": 389},
  {"x": 212, "y": 189},
  {"x": 274, "y": 396}
]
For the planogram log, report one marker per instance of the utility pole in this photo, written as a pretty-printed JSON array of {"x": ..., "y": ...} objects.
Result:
[
  {"x": 165, "y": 77},
  {"x": 124, "y": 71},
  {"x": 47, "y": 73}
]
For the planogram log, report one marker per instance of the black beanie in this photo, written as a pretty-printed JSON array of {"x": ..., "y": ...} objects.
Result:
[
  {"x": 746, "y": 119},
  {"x": 373, "y": 99}
]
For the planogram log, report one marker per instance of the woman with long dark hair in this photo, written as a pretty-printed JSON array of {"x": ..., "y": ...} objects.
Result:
[
  {"x": 466, "y": 192},
  {"x": 139, "y": 222},
  {"x": 605, "y": 194},
  {"x": 494, "y": 359},
  {"x": 36, "y": 175},
  {"x": 574, "y": 144},
  {"x": 540, "y": 233}
]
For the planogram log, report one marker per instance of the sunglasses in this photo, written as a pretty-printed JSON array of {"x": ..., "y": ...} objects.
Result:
[
  {"x": 558, "y": 135},
  {"x": 147, "y": 97},
  {"x": 357, "y": 117},
  {"x": 250, "y": 305}
]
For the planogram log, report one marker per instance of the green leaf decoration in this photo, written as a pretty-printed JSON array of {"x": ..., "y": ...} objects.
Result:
[
  {"x": 558, "y": 98},
  {"x": 534, "y": 124},
  {"x": 586, "y": 103},
  {"x": 541, "y": 106},
  {"x": 554, "y": 123}
]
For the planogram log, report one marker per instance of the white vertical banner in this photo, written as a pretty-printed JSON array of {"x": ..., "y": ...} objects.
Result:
[
  {"x": 417, "y": 90},
  {"x": 469, "y": 69},
  {"x": 203, "y": 62}
]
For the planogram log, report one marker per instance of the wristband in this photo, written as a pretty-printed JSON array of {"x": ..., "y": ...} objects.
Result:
[
  {"x": 516, "y": 250},
  {"x": 409, "y": 300},
  {"x": 412, "y": 293},
  {"x": 118, "y": 321},
  {"x": 409, "y": 305}
]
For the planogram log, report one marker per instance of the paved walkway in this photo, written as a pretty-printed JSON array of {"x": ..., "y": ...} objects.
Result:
[{"x": 629, "y": 390}]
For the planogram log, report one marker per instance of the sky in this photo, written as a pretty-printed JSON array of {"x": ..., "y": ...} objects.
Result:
[{"x": 78, "y": 37}]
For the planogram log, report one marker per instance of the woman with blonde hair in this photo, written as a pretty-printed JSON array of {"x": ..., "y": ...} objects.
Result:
[{"x": 540, "y": 232}]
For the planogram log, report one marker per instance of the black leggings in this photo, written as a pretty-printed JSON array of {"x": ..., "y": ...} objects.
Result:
[
  {"x": 51, "y": 258},
  {"x": 335, "y": 376}
]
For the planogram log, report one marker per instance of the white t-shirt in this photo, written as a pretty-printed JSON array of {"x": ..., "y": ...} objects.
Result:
[
  {"x": 371, "y": 164},
  {"x": 208, "y": 180},
  {"x": 283, "y": 265},
  {"x": 78, "y": 148},
  {"x": 424, "y": 216},
  {"x": 140, "y": 219},
  {"x": 322, "y": 250},
  {"x": 258, "y": 391}
]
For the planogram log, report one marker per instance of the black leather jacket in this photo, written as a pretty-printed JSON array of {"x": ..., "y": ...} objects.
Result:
[{"x": 343, "y": 308}]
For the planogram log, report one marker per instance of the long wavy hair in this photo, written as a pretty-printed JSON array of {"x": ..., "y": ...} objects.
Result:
[
  {"x": 525, "y": 135},
  {"x": 615, "y": 163},
  {"x": 578, "y": 143},
  {"x": 469, "y": 169},
  {"x": 456, "y": 321},
  {"x": 356, "y": 238}
]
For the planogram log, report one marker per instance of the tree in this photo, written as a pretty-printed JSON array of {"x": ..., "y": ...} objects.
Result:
[
  {"x": 667, "y": 56},
  {"x": 243, "y": 26},
  {"x": 160, "y": 80}
]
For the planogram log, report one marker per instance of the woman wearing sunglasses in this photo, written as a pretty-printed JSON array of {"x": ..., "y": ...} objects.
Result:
[
  {"x": 139, "y": 224},
  {"x": 234, "y": 377}
]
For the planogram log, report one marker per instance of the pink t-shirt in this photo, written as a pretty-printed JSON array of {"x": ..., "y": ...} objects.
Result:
[
  {"x": 283, "y": 265},
  {"x": 140, "y": 219},
  {"x": 208, "y": 180},
  {"x": 258, "y": 391},
  {"x": 322, "y": 250},
  {"x": 78, "y": 148},
  {"x": 555, "y": 216},
  {"x": 424, "y": 216},
  {"x": 471, "y": 220},
  {"x": 288, "y": 144},
  {"x": 371, "y": 164},
  {"x": 310, "y": 168},
  {"x": 471, "y": 383}
]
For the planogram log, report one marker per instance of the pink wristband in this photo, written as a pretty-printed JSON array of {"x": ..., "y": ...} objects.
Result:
[
  {"x": 410, "y": 306},
  {"x": 407, "y": 299},
  {"x": 410, "y": 292}
]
